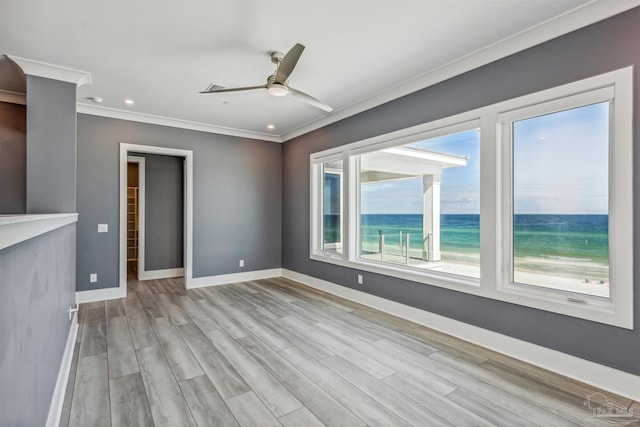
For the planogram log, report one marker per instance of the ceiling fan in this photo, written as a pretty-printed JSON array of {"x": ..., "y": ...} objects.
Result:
[{"x": 278, "y": 83}]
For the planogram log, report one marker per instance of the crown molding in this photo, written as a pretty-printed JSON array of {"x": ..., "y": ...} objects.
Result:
[
  {"x": 582, "y": 16},
  {"x": 50, "y": 71},
  {"x": 13, "y": 97},
  {"x": 176, "y": 123}
]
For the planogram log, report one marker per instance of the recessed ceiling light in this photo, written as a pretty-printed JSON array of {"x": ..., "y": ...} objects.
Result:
[
  {"x": 128, "y": 101},
  {"x": 271, "y": 127}
]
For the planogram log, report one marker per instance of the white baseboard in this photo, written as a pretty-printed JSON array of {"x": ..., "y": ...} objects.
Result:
[
  {"x": 223, "y": 279},
  {"x": 100, "y": 294},
  {"x": 604, "y": 377},
  {"x": 57, "y": 401},
  {"x": 160, "y": 274}
]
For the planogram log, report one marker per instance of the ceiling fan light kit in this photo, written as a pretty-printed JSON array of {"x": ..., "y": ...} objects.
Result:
[
  {"x": 278, "y": 83},
  {"x": 277, "y": 90}
]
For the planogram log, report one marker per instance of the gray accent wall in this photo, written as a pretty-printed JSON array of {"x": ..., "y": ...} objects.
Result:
[
  {"x": 237, "y": 198},
  {"x": 51, "y": 146},
  {"x": 163, "y": 212},
  {"x": 13, "y": 160},
  {"x": 37, "y": 286},
  {"x": 602, "y": 47}
]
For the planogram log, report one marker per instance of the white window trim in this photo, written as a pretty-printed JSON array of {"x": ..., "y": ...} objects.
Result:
[
  {"x": 316, "y": 204},
  {"x": 495, "y": 198},
  {"x": 618, "y": 308}
]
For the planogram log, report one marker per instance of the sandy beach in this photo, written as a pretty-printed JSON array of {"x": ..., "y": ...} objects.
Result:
[{"x": 556, "y": 273}]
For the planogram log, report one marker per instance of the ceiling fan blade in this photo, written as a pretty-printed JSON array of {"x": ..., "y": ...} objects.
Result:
[
  {"x": 309, "y": 99},
  {"x": 288, "y": 63},
  {"x": 221, "y": 89}
]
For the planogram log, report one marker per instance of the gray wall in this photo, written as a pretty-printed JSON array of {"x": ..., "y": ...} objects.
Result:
[
  {"x": 37, "y": 286},
  {"x": 163, "y": 212},
  {"x": 602, "y": 47},
  {"x": 13, "y": 151},
  {"x": 237, "y": 198},
  {"x": 51, "y": 146}
]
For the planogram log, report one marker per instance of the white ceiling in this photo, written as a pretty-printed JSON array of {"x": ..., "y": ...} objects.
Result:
[{"x": 359, "y": 53}]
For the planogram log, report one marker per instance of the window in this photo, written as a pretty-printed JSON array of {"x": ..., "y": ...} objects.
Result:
[
  {"x": 332, "y": 207},
  {"x": 560, "y": 216},
  {"x": 327, "y": 237},
  {"x": 420, "y": 204},
  {"x": 527, "y": 201}
]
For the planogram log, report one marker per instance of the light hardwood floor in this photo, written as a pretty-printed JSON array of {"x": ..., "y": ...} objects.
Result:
[{"x": 276, "y": 353}]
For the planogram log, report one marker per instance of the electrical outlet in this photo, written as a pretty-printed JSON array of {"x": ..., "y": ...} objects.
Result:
[
  {"x": 93, "y": 277},
  {"x": 359, "y": 279},
  {"x": 241, "y": 263},
  {"x": 103, "y": 228}
]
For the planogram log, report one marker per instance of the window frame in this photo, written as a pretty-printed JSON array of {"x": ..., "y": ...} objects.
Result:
[
  {"x": 614, "y": 88},
  {"x": 495, "y": 200},
  {"x": 317, "y": 204},
  {"x": 442, "y": 129}
]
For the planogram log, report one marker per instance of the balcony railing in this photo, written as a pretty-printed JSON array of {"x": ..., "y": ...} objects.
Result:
[{"x": 396, "y": 247}]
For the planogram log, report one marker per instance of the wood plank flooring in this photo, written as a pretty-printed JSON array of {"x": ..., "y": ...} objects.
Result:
[{"x": 276, "y": 353}]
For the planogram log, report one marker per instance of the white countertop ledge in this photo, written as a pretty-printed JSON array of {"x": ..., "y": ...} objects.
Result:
[{"x": 18, "y": 228}]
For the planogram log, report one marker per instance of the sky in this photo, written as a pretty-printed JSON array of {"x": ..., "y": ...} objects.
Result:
[
  {"x": 562, "y": 162},
  {"x": 560, "y": 167},
  {"x": 460, "y": 187}
]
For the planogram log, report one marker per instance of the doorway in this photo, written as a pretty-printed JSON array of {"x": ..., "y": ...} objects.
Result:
[{"x": 141, "y": 256}]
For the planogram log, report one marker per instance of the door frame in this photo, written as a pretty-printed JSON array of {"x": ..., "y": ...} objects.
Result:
[{"x": 125, "y": 148}]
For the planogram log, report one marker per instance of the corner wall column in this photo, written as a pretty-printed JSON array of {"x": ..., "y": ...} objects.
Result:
[
  {"x": 51, "y": 146},
  {"x": 51, "y": 167}
]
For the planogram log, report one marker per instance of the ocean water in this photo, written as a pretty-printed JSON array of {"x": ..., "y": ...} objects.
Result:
[
  {"x": 582, "y": 238},
  {"x": 459, "y": 235}
]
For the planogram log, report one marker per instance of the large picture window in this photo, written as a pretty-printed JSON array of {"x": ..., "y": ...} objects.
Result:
[
  {"x": 420, "y": 204},
  {"x": 527, "y": 201},
  {"x": 561, "y": 200}
]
